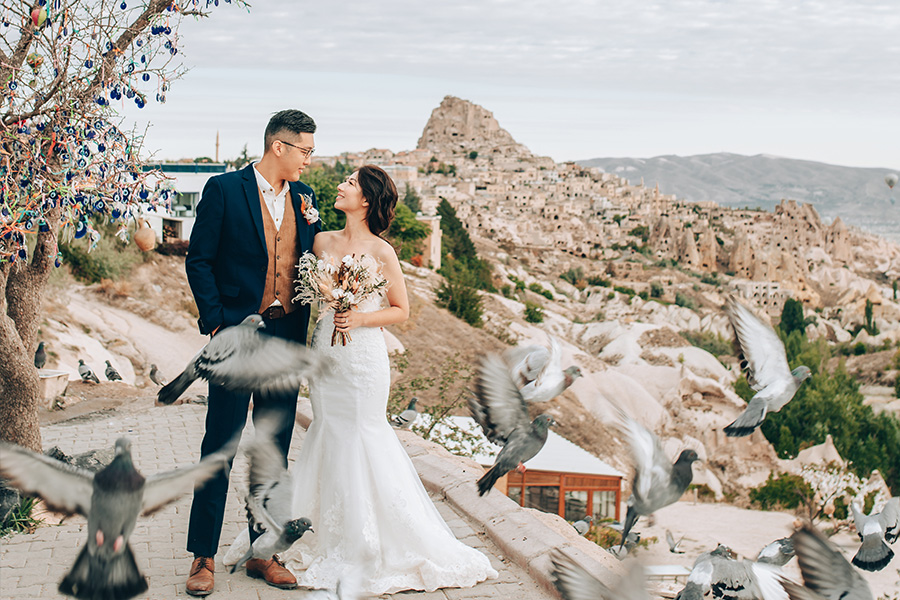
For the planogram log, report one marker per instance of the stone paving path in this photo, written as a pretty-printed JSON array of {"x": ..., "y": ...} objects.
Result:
[{"x": 163, "y": 438}]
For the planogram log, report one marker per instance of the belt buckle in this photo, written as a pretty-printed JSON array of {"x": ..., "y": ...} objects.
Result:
[{"x": 273, "y": 312}]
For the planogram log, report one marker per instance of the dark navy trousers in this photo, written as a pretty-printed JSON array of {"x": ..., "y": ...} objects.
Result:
[{"x": 226, "y": 415}]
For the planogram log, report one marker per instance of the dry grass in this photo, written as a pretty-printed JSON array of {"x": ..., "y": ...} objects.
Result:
[{"x": 115, "y": 289}]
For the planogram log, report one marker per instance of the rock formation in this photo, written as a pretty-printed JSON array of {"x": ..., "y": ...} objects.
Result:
[{"x": 458, "y": 126}]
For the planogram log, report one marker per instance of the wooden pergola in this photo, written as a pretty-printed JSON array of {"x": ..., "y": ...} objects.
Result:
[{"x": 602, "y": 494}]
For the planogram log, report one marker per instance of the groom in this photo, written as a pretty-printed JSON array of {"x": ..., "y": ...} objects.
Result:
[{"x": 252, "y": 226}]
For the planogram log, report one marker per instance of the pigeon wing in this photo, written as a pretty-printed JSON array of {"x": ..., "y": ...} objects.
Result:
[
  {"x": 498, "y": 405},
  {"x": 824, "y": 568},
  {"x": 734, "y": 579},
  {"x": 262, "y": 516},
  {"x": 762, "y": 349},
  {"x": 650, "y": 461},
  {"x": 270, "y": 481},
  {"x": 552, "y": 367},
  {"x": 890, "y": 517},
  {"x": 63, "y": 487},
  {"x": 573, "y": 582},
  {"x": 163, "y": 488},
  {"x": 525, "y": 362}
]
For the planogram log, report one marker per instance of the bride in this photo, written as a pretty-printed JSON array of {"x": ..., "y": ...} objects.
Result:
[{"x": 372, "y": 517}]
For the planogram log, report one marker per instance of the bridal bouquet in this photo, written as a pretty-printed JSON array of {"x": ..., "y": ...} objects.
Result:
[{"x": 342, "y": 287}]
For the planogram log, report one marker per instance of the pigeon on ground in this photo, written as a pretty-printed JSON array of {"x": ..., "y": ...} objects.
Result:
[
  {"x": 501, "y": 411},
  {"x": 632, "y": 539},
  {"x": 826, "y": 573},
  {"x": 40, "y": 356},
  {"x": 768, "y": 373},
  {"x": 574, "y": 583},
  {"x": 111, "y": 500},
  {"x": 582, "y": 526},
  {"x": 674, "y": 547},
  {"x": 405, "y": 419},
  {"x": 874, "y": 530},
  {"x": 778, "y": 553},
  {"x": 657, "y": 482},
  {"x": 157, "y": 377},
  {"x": 271, "y": 496},
  {"x": 111, "y": 373},
  {"x": 241, "y": 358},
  {"x": 86, "y": 373},
  {"x": 538, "y": 371},
  {"x": 722, "y": 576}
]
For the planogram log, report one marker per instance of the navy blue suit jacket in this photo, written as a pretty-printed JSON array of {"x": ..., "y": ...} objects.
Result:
[{"x": 227, "y": 257}]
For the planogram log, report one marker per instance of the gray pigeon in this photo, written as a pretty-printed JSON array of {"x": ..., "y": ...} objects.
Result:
[
  {"x": 826, "y": 573},
  {"x": 657, "y": 482},
  {"x": 241, "y": 358},
  {"x": 111, "y": 500},
  {"x": 874, "y": 530},
  {"x": 501, "y": 411},
  {"x": 674, "y": 547},
  {"x": 271, "y": 496},
  {"x": 111, "y": 373},
  {"x": 582, "y": 526},
  {"x": 405, "y": 419},
  {"x": 767, "y": 368},
  {"x": 574, "y": 583},
  {"x": 538, "y": 371},
  {"x": 722, "y": 576},
  {"x": 86, "y": 373},
  {"x": 40, "y": 356},
  {"x": 778, "y": 553},
  {"x": 157, "y": 377}
]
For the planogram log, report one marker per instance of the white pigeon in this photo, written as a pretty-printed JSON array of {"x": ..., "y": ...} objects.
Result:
[
  {"x": 271, "y": 496},
  {"x": 674, "y": 547},
  {"x": 874, "y": 531},
  {"x": 575, "y": 583},
  {"x": 767, "y": 368},
  {"x": 582, "y": 526},
  {"x": 826, "y": 573},
  {"x": 406, "y": 418},
  {"x": 538, "y": 371}
]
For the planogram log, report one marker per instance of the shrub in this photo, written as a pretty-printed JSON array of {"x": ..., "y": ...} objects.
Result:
[
  {"x": 686, "y": 302},
  {"x": 573, "y": 275},
  {"x": 624, "y": 290},
  {"x": 709, "y": 341},
  {"x": 859, "y": 349},
  {"x": 710, "y": 278},
  {"x": 786, "y": 491},
  {"x": 534, "y": 313},
  {"x": 539, "y": 289},
  {"x": 656, "y": 290},
  {"x": 598, "y": 281},
  {"x": 462, "y": 300},
  {"x": 111, "y": 259},
  {"x": 173, "y": 248},
  {"x": 507, "y": 291}
]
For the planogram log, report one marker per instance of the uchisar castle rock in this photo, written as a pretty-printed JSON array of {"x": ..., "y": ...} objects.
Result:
[{"x": 652, "y": 267}]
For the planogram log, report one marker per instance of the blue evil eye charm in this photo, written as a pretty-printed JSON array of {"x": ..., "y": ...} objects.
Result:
[
  {"x": 146, "y": 76},
  {"x": 129, "y": 93},
  {"x": 23, "y": 254},
  {"x": 99, "y": 206},
  {"x": 101, "y": 148},
  {"x": 29, "y": 224},
  {"x": 88, "y": 63},
  {"x": 43, "y": 227},
  {"x": 144, "y": 193},
  {"x": 123, "y": 6},
  {"x": 139, "y": 102},
  {"x": 12, "y": 85},
  {"x": 80, "y": 229},
  {"x": 139, "y": 43},
  {"x": 57, "y": 263}
]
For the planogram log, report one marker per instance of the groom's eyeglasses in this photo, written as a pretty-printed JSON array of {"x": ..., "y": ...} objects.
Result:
[{"x": 307, "y": 152}]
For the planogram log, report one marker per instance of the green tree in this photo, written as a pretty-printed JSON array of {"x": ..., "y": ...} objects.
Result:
[
  {"x": 792, "y": 317},
  {"x": 324, "y": 180},
  {"x": 411, "y": 199},
  {"x": 458, "y": 250},
  {"x": 534, "y": 313},
  {"x": 241, "y": 160},
  {"x": 406, "y": 232},
  {"x": 473, "y": 154},
  {"x": 871, "y": 327}
]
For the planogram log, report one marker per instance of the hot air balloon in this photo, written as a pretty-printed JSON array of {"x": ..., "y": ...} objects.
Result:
[{"x": 891, "y": 179}]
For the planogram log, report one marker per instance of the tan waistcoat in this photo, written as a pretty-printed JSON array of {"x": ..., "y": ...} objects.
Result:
[{"x": 283, "y": 256}]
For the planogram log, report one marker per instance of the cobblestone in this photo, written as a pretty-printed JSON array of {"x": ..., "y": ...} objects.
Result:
[{"x": 163, "y": 438}]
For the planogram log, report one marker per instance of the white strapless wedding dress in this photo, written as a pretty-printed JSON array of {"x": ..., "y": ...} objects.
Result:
[{"x": 372, "y": 517}]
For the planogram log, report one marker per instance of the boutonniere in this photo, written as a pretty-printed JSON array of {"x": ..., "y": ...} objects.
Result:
[{"x": 309, "y": 211}]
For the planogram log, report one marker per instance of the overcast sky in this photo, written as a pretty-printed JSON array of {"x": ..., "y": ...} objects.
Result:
[{"x": 571, "y": 80}]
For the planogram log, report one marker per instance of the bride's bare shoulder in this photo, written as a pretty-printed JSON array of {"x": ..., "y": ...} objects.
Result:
[
  {"x": 384, "y": 251},
  {"x": 323, "y": 242}
]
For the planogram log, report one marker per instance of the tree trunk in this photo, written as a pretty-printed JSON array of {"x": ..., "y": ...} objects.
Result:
[{"x": 22, "y": 286}]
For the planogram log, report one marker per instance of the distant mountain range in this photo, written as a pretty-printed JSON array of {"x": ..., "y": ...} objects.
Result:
[{"x": 859, "y": 196}]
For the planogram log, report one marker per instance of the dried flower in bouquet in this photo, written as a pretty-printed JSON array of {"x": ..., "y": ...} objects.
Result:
[{"x": 341, "y": 286}]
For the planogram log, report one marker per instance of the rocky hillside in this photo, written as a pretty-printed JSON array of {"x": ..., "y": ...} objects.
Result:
[{"x": 859, "y": 196}]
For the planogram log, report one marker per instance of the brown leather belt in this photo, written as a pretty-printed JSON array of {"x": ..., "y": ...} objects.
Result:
[{"x": 273, "y": 312}]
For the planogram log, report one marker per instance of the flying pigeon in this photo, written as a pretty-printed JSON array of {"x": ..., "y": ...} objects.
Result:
[
  {"x": 767, "y": 368},
  {"x": 582, "y": 526},
  {"x": 778, "y": 553},
  {"x": 874, "y": 530},
  {"x": 826, "y": 573},
  {"x": 538, "y": 371},
  {"x": 157, "y": 377},
  {"x": 86, "y": 373},
  {"x": 657, "y": 482},
  {"x": 241, "y": 358},
  {"x": 674, "y": 547},
  {"x": 40, "y": 356},
  {"x": 720, "y": 573},
  {"x": 405, "y": 419},
  {"x": 574, "y": 583},
  {"x": 502, "y": 412},
  {"x": 111, "y": 500},
  {"x": 271, "y": 496},
  {"x": 111, "y": 373}
]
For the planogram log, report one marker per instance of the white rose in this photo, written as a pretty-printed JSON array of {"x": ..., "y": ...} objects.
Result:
[{"x": 337, "y": 293}]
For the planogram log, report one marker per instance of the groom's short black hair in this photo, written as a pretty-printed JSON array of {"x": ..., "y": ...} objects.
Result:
[{"x": 292, "y": 120}]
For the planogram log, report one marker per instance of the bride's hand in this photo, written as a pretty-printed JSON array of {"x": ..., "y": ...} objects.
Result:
[{"x": 345, "y": 321}]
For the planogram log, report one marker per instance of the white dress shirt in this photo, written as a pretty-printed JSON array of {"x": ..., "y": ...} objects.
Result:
[{"x": 274, "y": 200}]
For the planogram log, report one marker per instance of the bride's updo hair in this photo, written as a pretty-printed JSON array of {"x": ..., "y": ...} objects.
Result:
[{"x": 380, "y": 192}]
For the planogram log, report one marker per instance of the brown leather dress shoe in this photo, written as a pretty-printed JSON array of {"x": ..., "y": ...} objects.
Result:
[
  {"x": 202, "y": 578},
  {"x": 273, "y": 571}
]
